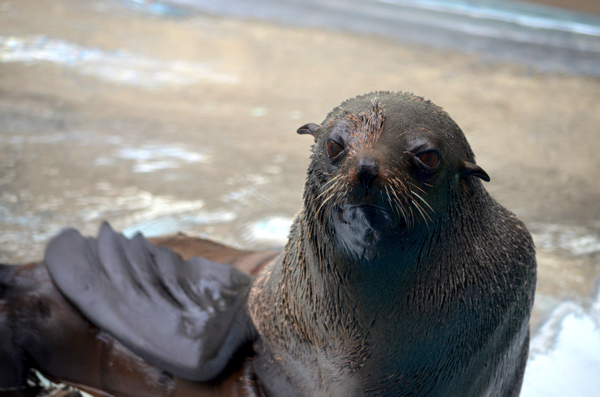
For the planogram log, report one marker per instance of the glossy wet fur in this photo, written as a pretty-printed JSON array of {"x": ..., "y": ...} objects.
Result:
[{"x": 402, "y": 276}]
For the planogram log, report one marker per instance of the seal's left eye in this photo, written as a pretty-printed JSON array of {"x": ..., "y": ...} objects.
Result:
[
  {"x": 429, "y": 159},
  {"x": 333, "y": 149}
]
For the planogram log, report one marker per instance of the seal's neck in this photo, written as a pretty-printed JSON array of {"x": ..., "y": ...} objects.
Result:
[
  {"x": 318, "y": 277},
  {"x": 315, "y": 290},
  {"x": 381, "y": 278}
]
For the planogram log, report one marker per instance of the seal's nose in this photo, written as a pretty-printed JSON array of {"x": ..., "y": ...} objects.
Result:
[{"x": 367, "y": 170}]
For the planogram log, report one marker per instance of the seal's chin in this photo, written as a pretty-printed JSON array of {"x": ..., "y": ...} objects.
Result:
[{"x": 360, "y": 227}]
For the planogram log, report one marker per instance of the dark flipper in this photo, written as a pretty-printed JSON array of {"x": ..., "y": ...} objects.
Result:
[{"x": 187, "y": 318}]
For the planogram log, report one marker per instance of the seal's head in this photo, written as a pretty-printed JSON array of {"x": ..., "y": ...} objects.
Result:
[{"x": 385, "y": 165}]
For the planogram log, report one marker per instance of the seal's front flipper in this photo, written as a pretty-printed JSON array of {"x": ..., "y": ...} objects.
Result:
[{"x": 188, "y": 318}]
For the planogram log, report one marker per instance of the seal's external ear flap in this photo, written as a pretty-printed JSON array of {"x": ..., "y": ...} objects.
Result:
[
  {"x": 475, "y": 170},
  {"x": 310, "y": 128}
]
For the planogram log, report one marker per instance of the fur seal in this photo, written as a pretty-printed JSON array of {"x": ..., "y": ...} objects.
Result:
[{"x": 401, "y": 276}]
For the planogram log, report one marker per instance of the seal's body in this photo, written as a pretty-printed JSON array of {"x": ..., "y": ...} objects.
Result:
[{"x": 401, "y": 277}]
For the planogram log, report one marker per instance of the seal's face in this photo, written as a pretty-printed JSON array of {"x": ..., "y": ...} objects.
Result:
[{"x": 377, "y": 172}]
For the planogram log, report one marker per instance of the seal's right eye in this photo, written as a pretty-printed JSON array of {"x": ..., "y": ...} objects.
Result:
[
  {"x": 429, "y": 158},
  {"x": 333, "y": 149}
]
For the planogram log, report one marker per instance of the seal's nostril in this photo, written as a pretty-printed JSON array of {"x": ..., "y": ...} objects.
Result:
[{"x": 367, "y": 170}]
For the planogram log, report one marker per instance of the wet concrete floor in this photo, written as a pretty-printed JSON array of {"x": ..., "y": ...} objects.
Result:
[{"x": 188, "y": 124}]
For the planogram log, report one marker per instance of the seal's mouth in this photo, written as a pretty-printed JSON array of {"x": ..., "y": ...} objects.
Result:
[
  {"x": 366, "y": 216},
  {"x": 360, "y": 227},
  {"x": 383, "y": 209},
  {"x": 390, "y": 204},
  {"x": 368, "y": 207}
]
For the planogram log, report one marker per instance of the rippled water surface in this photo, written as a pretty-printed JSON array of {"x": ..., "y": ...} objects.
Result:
[{"x": 181, "y": 116}]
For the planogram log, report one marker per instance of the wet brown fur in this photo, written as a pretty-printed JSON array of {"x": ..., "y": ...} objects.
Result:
[{"x": 319, "y": 309}]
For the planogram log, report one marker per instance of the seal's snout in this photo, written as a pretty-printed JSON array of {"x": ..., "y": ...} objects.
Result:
[{"x": 367, "y": 170}]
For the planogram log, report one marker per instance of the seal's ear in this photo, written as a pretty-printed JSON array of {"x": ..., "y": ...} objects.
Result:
[
  {"x": 475, "y": 170},
  {"x": 310, "y": 128}
]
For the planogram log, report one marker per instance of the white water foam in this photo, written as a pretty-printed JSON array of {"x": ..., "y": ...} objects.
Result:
[
  {"x": 272, "y": 230},
  {"x": 565, "y": 354},
  {"x": 150, "y": 158}
]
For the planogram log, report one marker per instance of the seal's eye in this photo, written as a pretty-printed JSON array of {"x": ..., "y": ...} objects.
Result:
[
  {"x": 333, "y": 149},
  {"x": 429, "y": 158}
]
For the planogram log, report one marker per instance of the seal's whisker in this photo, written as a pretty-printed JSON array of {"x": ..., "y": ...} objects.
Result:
[
  {"x": 424, "y": 215},
  {"x": 410, "y": 208},
  {"x": 422, "y": 200},
  {"x": 394, "y": 203},
  {"x": 389, "y": 199},
  {"x": 401, "y": 184},
  {"x": 400, "y": 202},
  {"x": 404, "y": 215},
  {"x": 325, "y": 202},
  {"x": 333, "y": 192},
  {"x": 417, "y": 187},
  {"x": 332, "y": 182}
]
